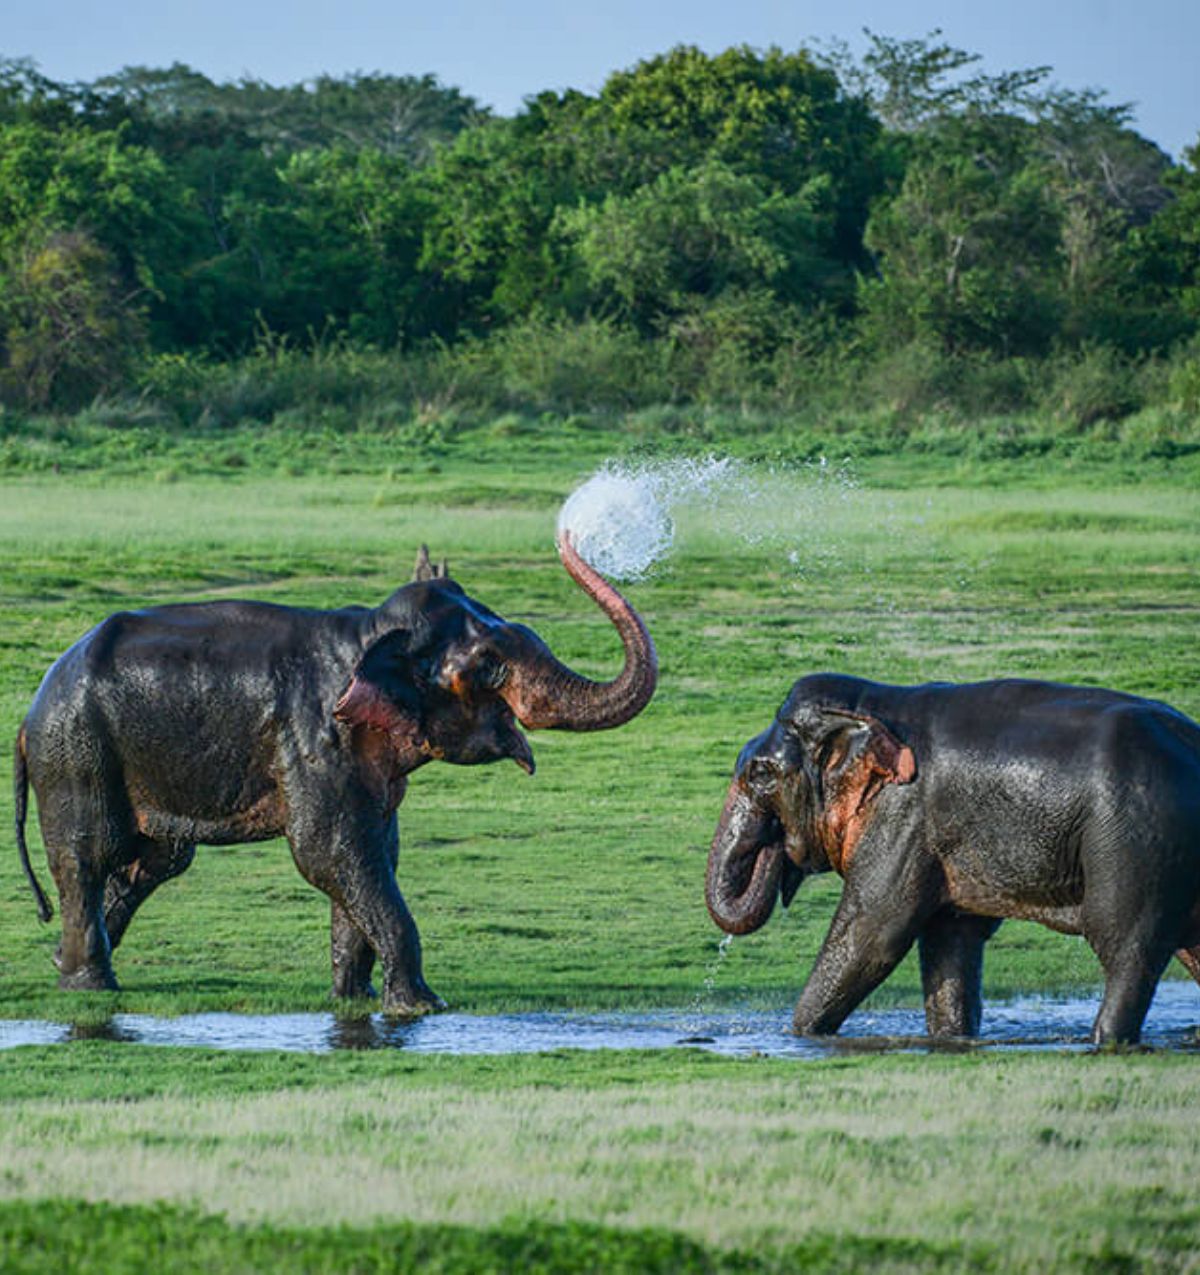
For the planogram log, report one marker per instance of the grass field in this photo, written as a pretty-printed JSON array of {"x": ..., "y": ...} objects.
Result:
[{"x": 582, "y": 887}]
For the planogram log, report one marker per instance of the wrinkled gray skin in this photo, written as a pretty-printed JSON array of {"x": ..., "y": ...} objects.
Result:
[
  {"x": 238, "y": 721},
  {"x": 947, "y": 808}
]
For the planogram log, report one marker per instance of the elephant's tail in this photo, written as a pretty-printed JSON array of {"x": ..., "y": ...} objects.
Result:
[{"x": 21, "y": 807}]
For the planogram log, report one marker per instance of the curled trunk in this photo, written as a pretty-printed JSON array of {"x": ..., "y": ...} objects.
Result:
[
  {"x": 745, "y": 865},
  {"x": 545, "y": 694}
]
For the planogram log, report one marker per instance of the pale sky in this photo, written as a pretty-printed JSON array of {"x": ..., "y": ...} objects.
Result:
[{"x": 1146, "y": 53}]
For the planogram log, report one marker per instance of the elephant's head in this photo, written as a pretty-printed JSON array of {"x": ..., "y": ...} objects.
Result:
[
  {"x": 449, "y": 679},
  {"x": 802, "y": 795}
]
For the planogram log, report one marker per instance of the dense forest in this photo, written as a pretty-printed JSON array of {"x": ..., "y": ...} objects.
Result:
[{"x": 752, "y": 228}]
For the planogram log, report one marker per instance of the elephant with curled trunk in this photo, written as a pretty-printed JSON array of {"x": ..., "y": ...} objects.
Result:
[
  {"x": 946, "y": 808},
  {"x": 230, "y": 722}
]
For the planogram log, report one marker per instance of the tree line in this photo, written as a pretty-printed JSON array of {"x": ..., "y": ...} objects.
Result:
[{"x": 739, "y": 214}]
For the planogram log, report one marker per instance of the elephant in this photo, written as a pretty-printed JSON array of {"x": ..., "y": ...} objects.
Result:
[
  {"x": 224, "y": 722},
  {"x": 946, "y": 808}
]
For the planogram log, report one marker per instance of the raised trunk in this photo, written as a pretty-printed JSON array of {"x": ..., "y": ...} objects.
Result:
[
  {"x": 744, "y": 865},
  {"x": 545, "y": 694}
]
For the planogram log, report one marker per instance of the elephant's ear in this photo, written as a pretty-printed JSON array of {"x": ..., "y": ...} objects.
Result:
[
  {"x": 855, "y": 756},
  {"x": 382, "y": 694}
]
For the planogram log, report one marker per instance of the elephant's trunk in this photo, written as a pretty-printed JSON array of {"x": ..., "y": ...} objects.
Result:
[
  {"x": 545, "y": 694},
  {"x": 744, "y": 865}
]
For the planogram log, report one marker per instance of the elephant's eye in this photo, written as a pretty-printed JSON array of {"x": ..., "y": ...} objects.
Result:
[
  {"x": 489, "y": 672},
  {"x": 761, "y": 773}
]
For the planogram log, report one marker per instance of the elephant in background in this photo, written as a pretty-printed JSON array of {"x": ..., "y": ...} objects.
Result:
[
  {"x": 227, "y": 722},
  {"x": 946, "y": 808}
]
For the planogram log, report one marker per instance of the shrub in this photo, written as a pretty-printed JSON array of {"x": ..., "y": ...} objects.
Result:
[{"x": 1090, "y": 385}]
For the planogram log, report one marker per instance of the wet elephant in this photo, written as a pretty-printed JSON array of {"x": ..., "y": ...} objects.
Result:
[
  {"x": 239, "y": 721},
  {"x": 946, "y": 808}
]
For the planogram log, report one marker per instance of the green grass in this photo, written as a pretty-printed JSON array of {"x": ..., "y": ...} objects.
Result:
[
  {"x": 608, "y": 1161},
  {"x": 583, "y": 887}
]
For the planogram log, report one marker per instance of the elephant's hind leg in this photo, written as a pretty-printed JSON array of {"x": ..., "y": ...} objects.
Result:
[
  {"x": 131, "y": 885},
  {"x": 951, "y": 951},
  {"x": 353, "y": 956},
  {"x": 85, "y": 955}
]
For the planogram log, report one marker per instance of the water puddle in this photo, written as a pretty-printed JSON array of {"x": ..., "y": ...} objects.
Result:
[{"x": 1027, "y": 1023}]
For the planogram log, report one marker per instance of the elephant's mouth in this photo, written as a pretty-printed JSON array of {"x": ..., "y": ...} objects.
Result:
[
  {"x": 790, "y": 880},
  {"x": 489, "y": 736}
]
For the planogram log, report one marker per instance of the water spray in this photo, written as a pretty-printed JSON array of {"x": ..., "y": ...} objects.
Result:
[{"x": 624, "y": 519}]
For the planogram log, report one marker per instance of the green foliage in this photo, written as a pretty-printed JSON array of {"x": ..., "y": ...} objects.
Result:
[
  {"x": 1166, "y": 251},
  {"x": 695, "y": 233},
  {"x": 68, "y": 330},
  {"x": 1092, "y": 385},
  {"x": 66, "y": 179},
  {"x": 748, "y": 229},
  {"x": 966, "y": 255}
]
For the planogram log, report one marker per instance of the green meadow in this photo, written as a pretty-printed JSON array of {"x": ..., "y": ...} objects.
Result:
[{"x": 582, "y": 888}]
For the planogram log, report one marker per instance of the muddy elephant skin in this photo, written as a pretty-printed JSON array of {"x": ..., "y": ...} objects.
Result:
[
  {"x": 946, "y": 808},
  {"x": 231, "y": 722}
]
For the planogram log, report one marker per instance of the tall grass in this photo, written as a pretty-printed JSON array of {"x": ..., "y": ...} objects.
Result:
[{"x": 808, "y": 392}]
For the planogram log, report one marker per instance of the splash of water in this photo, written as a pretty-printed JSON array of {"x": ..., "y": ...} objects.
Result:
[
  {"x": 701, "y": 1001},
  {"x": 625, "y": 519}
]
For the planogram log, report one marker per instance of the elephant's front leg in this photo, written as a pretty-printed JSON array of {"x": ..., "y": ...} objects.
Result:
[
  {"x": 951, "y": 951},
  {"x": 886, "y": 901},
  {"x": 352, "y": 955},
  {"x": 352, "y": 863}
]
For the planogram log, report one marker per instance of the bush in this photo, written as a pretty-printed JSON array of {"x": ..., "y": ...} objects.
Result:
[
  {"x": 1088, "y": 386},
  {"x": 67, "y": 331}
]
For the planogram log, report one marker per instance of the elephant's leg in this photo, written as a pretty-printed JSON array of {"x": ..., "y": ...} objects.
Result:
[
  {"x": 861, "y": 949},
  {"x": 131, "y": 885},
  {"x": 951, "y": 951},
  {"x": 1131, "y": 973},
  {"x": 1133, "y": 922},
  {"x": 357, "y": 872},
  {"x": 352, "y": 955},
  {"x": 85, "y": 955}
]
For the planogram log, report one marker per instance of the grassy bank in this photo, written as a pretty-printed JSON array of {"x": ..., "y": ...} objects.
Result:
[{"x": 577, "y": 1162}]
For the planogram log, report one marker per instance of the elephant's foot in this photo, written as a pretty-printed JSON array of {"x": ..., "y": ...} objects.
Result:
[
  {"x": 88, "y": 978},
  {"x": 412, "y": 1004}
]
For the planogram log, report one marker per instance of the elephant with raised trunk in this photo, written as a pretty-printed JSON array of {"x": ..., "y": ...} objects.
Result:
[
  {"x": 226, "y": 722},
  {"x": 946, "y": 808}
]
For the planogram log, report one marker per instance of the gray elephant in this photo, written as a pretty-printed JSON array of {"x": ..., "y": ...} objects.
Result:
[
  {"x": 946, "y": 808},
  {"x": 238, "y": 721}
]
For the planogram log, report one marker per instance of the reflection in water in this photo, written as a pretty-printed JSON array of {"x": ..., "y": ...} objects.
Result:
[
  {"x": 372, "y": 1031},
  {"x": 106, "y": 1029},
  {"x": 1026, "y": 1023}
]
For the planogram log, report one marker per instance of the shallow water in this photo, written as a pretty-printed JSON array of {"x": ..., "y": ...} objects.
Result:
[{"x": 1027, "y": 1023}]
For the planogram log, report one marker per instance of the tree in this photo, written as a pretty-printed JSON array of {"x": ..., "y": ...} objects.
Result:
[
  {"x": 68, "y": 328},
  {"x": 406, "y": 116},
  {"x": 694, "y": 232},
  {"x": 357, "y": 219},
  {"x": 512, "y": 202},
  {"x": 968, "y": 255},
  {"x": 911, "y": 84},
  {"x": 1013, "y": 202}
]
